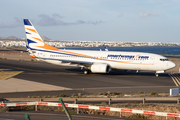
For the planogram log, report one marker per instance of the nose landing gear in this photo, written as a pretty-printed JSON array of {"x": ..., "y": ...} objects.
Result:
[
  {"x": 159, "y": 72},
  {"x": 86, "y": 72},
  {"x": 157, "y": 75}
]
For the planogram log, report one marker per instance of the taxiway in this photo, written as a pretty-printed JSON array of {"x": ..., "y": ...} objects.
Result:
[{"x": 40, "y": 78}]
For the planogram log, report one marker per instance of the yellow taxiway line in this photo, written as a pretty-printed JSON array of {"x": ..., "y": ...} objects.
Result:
[
  {"x": 175, "y": 78},
  {"x": 8, "y": 74}
]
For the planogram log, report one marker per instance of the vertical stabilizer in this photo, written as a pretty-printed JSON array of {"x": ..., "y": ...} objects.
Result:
[
  {"x": 34, "y": 41},
  {"x": 33, "y": 38},
  {"x": 106, "y": 49}
]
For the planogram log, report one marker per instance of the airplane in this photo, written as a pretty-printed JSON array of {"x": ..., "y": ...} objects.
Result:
[{"x": 94, "y": 61}]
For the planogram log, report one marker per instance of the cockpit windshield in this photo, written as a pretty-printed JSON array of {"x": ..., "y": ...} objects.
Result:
[{"x": 164, "y": 60}]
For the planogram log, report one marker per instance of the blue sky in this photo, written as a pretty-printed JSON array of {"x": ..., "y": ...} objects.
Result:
[{"x": 94, "y": 20}]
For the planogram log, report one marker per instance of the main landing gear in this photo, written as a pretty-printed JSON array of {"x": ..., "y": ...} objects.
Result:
[{"x": 86, "y": 72}]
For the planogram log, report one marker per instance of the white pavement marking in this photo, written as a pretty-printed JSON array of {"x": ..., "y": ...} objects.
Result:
[{"x": 20, "y": 85}]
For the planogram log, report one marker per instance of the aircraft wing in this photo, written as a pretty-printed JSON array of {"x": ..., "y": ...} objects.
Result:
[
  {"x": 86, "y": 64},
  {"x": 73, "y": 62}
]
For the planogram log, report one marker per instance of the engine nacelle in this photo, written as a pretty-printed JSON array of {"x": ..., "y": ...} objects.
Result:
[{"x": 100, "y": 68}]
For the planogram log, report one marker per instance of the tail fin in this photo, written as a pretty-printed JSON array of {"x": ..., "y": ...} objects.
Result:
[
  {"x": 34, "y": 41},
  {"x": 106, "y": 49},
  {"x": 31, "y": 34}
]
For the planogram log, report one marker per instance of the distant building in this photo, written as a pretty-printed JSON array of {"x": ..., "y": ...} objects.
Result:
[{"x": 22, "y": 43}]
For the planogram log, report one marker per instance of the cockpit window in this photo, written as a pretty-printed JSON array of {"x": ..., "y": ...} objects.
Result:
[{"x": 164, "y": 60}]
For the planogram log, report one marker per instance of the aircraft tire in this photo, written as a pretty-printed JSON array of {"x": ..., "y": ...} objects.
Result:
[
  {"x": 86, "y": 72},
  {"x": 157, "y": 75}
]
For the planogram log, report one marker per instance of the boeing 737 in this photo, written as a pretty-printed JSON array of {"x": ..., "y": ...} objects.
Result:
[{"x": 93, "y": 61}]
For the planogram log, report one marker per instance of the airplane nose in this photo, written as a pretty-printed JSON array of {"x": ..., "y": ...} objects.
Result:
[{"x": 172, "y": 65}]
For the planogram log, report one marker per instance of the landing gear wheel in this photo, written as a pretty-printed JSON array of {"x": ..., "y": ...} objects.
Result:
[
  {"x": 157, "y": 75},
  {"x": 86, "y": 72}
]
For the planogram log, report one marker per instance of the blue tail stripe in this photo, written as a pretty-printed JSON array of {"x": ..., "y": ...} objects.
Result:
[
  {"x": 27, "y": 22},
  {"x": 30, "y": 41},
  {"x": 28, "y": 33}
]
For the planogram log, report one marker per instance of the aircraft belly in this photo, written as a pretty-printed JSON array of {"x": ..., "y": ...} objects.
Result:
[{"x": 56, "y": 62}]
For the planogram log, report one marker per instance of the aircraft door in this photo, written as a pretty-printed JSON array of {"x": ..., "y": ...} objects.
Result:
[
  {"x": 44, "y": 55},
  {"x": 152, "y": 60}
]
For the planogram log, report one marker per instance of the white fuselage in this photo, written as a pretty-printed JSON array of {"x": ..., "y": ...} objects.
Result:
[{"x": 115, "y": 59}]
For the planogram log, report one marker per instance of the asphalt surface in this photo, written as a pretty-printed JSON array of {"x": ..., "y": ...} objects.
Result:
[
  {"x": 72, "y": 77},
  {"x": 39, "y": 115}
]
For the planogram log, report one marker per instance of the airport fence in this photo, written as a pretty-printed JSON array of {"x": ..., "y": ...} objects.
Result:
[{"x": 81, "y": 106}]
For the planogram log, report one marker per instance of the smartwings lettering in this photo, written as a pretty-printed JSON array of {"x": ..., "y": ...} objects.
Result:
[{"x": 129, "y": 56}]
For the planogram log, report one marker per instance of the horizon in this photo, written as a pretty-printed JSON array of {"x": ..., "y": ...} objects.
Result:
[{"x": 50, "y": 40}]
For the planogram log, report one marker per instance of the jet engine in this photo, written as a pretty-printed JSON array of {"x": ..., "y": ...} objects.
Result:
[{"x": 100, "y": 68}]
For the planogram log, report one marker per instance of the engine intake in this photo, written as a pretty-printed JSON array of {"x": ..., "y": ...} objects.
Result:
[{"x": 100, "y": 68}]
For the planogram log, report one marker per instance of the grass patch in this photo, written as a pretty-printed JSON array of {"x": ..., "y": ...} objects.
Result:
[
  {"x": 62, "y": 95},
  {"x": 153, "y": 93},
  {"x": 140, "y": 92}
]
